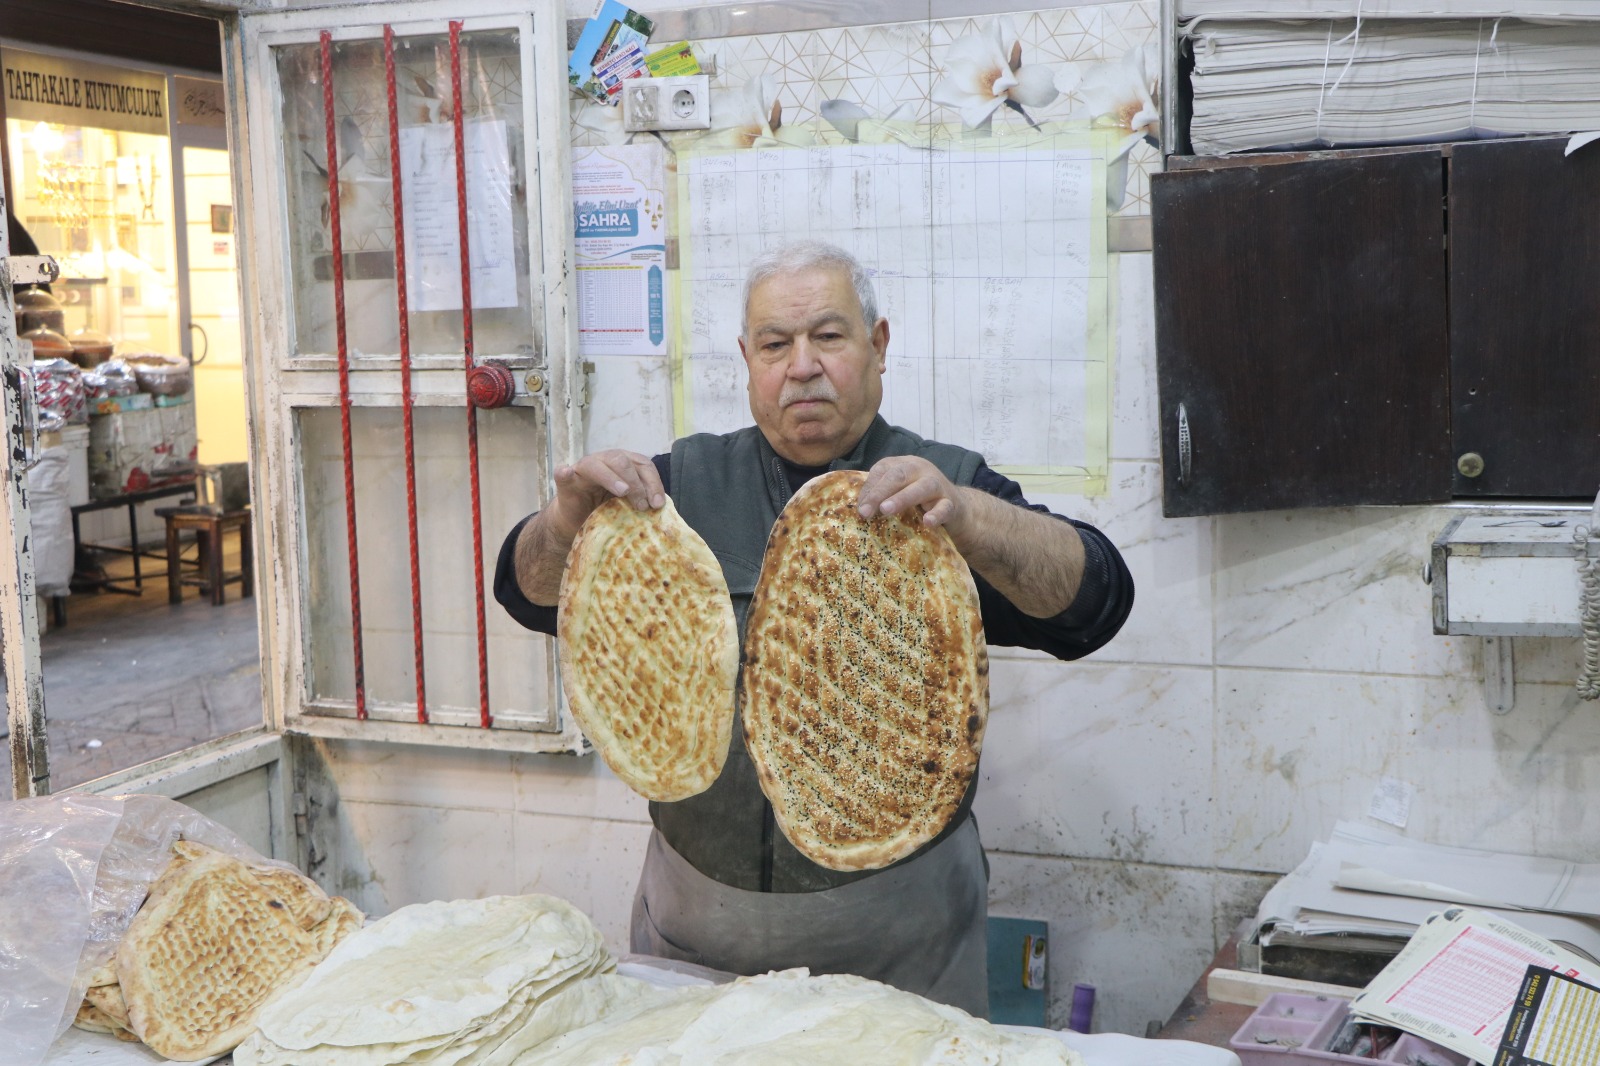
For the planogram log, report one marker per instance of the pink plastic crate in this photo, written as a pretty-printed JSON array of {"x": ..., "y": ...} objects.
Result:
[{"x": 1304, "y": 1026}]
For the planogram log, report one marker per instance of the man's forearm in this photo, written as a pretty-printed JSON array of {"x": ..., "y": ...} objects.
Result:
[
  {"x": 1031, "y": 559},
  {"x": 541, "y": 556}
]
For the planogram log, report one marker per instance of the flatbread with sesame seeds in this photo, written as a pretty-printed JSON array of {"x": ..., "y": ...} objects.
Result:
[
  {"x": 865, "y": 689},
  {"x": 649, "y": 649}
]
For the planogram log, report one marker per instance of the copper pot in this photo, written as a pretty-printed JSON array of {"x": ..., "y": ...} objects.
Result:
[
  {"x": 90, "y": 348},
  {"x": 48, "y": 344},
  {"x": 37, "y": 309}
]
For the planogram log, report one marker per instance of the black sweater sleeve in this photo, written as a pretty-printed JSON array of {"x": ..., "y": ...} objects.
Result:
[{"x": 1105, "y": 596}]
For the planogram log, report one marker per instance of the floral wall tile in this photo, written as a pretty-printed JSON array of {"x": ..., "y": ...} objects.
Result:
[{"x": 996, "y": 73}]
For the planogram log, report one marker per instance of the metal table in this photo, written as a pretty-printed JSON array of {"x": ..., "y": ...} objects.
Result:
[{"x": 130, "y": 500}]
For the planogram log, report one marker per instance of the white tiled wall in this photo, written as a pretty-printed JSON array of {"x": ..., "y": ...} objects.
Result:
[
  {"x": 1275, "y": 667},
  {"x": 417, "y": 823}
]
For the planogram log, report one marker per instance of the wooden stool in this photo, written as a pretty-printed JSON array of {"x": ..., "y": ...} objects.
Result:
[{"x": 208, "y": 526}]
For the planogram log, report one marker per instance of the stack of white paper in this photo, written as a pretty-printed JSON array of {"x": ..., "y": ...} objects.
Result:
[
  {"x": 1368, "y": 882},
  {"x": 1381, "y": 9},
  {"x": 1326, "y": 83}
]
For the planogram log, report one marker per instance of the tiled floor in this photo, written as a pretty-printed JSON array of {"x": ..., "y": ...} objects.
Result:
[{"x": 131, "y": 678}]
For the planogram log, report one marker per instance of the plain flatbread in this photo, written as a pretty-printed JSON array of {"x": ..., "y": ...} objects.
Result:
[
  {"x": 649, "y": 649},
  {"x": 865, "y": 687},
  {"x": 432, "y": 970},
  {"x": 793, "y": 1019},
  {"x": 209, "y": 947},
  {"x": 534, "y": 1013}
]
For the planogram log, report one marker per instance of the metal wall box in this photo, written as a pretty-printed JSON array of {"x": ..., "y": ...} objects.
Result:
[{"x": 1508, "y": 575}]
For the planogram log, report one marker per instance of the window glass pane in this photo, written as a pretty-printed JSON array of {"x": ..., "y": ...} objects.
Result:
[
  {"x": 497, "y": 188},
  {"x": 510, "y": 444}
]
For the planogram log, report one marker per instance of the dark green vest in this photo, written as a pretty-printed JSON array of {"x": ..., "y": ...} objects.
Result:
[{"x": 730, "y": 489}]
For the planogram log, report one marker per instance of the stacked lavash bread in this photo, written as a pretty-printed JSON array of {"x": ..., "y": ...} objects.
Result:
[{"x": 502, "y": 981}]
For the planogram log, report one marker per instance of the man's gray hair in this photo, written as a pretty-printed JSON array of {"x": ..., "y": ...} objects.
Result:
[{"x": 796, "y": 256}]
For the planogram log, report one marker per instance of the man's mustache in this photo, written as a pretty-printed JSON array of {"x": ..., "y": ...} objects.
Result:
[{"x": 819, "y": 390}]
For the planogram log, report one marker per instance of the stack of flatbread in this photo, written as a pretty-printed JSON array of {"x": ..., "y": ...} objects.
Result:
[
  {"x": 459, "y": 982},
  {"x": 793, "y": 1018},
  {"x": 214, "y": 941},
  {"x": 649, "y": 652},
  {"x": 865, "y": 686}
]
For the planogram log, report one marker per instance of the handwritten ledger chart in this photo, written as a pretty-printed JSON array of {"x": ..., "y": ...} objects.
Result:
[{"x": 989, "y": 263}]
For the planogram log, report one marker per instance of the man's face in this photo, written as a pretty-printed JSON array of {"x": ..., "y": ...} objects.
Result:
[{"x": 816, "y": 370}]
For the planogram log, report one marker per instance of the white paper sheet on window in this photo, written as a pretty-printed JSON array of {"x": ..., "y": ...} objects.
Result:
[
  {"x": 989, "y": 263},
  {"x": 433, "y": 231}
]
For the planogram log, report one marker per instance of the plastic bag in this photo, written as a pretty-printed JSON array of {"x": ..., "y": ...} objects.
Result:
[
  {"x": 49, "y": 483},
  {"x": 162, "y": 375},
  {"x": 60, "y": 386},
  {"x": 74, "y": 870},
  {"x": 114, "y": 377}
]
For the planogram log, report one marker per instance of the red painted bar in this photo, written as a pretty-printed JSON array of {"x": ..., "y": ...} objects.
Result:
[
  {"x": 405, "y": 367},
  {"x": 344, "y": 368},
  {"x": 484, "y": 717}
]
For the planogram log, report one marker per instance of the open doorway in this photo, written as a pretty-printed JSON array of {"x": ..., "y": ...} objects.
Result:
[{"x": 116, "y": 163}]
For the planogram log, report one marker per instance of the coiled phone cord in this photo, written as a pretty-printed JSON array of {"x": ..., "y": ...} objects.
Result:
[{"x": 1589, "y": 609}]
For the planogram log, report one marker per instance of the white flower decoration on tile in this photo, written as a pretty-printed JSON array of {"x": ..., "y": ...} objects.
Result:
[
  {"x": 1120, "y": 94},
  {"x": 858, "y": 125},
  {"x": 750, "y": 116},
  {"x": 984, "y": 72}
]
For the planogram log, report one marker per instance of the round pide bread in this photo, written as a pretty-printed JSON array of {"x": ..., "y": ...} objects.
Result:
[
  {"x": 649, "y": 649},
  {"x": 865, "y": 688}
]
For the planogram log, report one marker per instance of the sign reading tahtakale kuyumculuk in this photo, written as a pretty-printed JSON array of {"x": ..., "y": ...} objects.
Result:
[{"x": 73, "y": 92}]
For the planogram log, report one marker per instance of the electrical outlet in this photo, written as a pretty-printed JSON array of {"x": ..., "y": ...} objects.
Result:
[{"x": 680, "y": 103}]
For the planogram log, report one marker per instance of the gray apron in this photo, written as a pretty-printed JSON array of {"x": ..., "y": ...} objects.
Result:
[{"x": 919, "y": 926}]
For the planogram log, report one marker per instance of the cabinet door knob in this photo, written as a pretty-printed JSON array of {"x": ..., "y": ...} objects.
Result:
[
  {"x": 1470, "y": 464},
  {"x": 1185, "y": 446}
]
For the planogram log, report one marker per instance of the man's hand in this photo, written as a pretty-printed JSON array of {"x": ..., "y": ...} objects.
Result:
[
  {"x": 1032, "y": 559},
  {"x": 901, "y": 482},
  {"x": 596, "y": 478},
  {"x": 542, "y": 547}
]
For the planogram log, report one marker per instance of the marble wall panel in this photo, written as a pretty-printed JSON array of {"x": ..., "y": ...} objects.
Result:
[
  {"x": 1106, "y": 762},
  {"x": 630, "y": 404},
  {"x": 1142, "y": 935},
  {"x": 1337, "y": 590},
  {"x": 580, "y": 786},
  {"x": 1297, "y": 752},
  {"x": 590, "y": 862},
  {"x": 391, "y": 855},
  {"x": 1135, "y": 411},
  {"x": 1170, "y": 559},
  {"x": 415, "y": 775},
  {"x": 1548, "y": 660}
]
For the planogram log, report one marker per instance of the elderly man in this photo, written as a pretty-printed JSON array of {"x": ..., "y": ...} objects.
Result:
[{"x": 721, "y": 886}]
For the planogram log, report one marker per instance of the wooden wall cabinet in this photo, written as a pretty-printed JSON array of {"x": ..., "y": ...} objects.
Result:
[{"x": 1378, "y": 328}]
